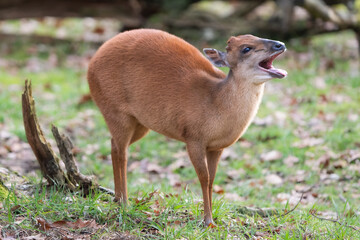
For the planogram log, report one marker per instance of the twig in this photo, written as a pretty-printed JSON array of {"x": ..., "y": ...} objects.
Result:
[
  {"x": 313, "y": 213},
  {"x": 267, "y": 212},
  {"x": 262, "y": 212},
  {"x": 291, "y": 210},
  {"x": 106, "y": 190}
]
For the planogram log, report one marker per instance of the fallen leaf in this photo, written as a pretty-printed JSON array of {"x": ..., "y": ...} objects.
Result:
[
  {"x": 282, "y": 197},
  {"x": 178, "y": 164},
  {"x": 233, "y": 197},
  {"x": 271, "y": 156},
  {"x": 352, "y": 117},
  {"x": 263, "y": 121},
  {"x": 353, "y": 155},
  {"x": 290, "y": 160},
  {"x": 235, "y": 174},
  {"x": 157, "y": 212},
  {"x": 303, "y": 188},
  {"x": 217, "y": 189},
  {"x": 331, "y": 177},
  {"x": 174, "y": 179},
  {"x": 245, "y": 143},
  {"x": 146, "y": 199},
  {"x": 3, "y": 151},
  {"x": 274, "y": 179},
  {"x": 8, "y": 238},
  {"x": 154, "y": 168},
  {"x": 45, "y": 225},
  {"x": 99, "y": 30},
  {"x": 280, "y": 118},
  {"x": 340, "y": 164},
  {"x": 319, "y": 82},
  {"x": 229, "y": 153},
  {"x": 35, "y": 237},
  {"x": 299, "y": 177},
  {"x": 324, "y": 161},
  {"x": 308, "y": 142},
  {"x": 14, "y": 208},
  {"x": 133, "y": 166}
]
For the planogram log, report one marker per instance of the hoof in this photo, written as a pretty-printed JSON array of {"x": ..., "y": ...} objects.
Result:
[
  {"x": 211, "y": 225},
  {"x": 120, "y": 201}
]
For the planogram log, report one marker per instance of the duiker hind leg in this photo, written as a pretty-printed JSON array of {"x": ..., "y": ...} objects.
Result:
[{"x": 126, "y": 131}]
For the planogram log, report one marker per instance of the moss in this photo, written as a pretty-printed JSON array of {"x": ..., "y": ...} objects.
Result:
[{"x": 4, "y": 192}]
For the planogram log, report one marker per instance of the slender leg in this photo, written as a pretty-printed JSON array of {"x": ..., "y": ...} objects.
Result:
[
  {"x": 117, "y": 172},
  {"x": 119, "y": 162},
  {"x": 212, "y": 158},
  {"x": 127, "y": 131},
  {"x": 122, "y": 129},
  {"x": 197, "y": 156}
]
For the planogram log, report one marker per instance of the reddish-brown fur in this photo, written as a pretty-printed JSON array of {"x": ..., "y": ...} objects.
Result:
[{"x": 148, "y": 79}]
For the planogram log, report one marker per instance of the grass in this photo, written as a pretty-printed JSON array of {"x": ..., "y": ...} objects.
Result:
[
  {"x": 319, "y": 99},
  {"x": 164, "y": 216}
]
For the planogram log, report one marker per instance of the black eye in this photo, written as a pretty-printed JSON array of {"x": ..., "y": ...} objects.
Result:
[{"x": 246, "y": 50}]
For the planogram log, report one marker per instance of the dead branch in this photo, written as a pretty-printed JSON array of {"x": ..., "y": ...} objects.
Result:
[
  {"x": 320, "y": 9},
  {"x": 106, "y": 190},
  {"x": 65, "y": 148},
  {"x": 47, "y": 159},
  {"x": 313, "y": 213}
]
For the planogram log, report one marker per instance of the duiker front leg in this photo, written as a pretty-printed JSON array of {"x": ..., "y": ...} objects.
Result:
[
  {"x": 197, "y": 154},
  {"x": 212, "y": 158}
]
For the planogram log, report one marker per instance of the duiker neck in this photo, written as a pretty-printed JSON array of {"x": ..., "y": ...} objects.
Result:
[{"x": 235, "y": 89}]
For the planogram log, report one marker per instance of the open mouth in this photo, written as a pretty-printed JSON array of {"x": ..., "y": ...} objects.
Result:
[{"x": 266, "y": 66}]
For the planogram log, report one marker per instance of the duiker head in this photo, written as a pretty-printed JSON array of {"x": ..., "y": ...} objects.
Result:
[{"x": 249, "y": 57}]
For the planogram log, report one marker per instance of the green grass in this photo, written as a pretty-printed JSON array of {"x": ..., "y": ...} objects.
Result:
[
  {"x": 175, "y": 212},
  {"x": 165, "y": 216}
]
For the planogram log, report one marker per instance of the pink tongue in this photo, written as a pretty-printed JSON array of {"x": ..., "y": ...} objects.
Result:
[{"x": 278, "y": 71}]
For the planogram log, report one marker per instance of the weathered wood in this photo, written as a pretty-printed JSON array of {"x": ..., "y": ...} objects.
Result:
[
  {"x": 47, "y": 159},
  {"x": 75, "y": 177}
]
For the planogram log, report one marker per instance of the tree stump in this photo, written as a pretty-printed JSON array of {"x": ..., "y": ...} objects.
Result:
[{"x": 48, "y": 160}]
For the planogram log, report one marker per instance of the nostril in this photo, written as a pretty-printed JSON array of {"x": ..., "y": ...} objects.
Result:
[{"x": 278, "y": 46}]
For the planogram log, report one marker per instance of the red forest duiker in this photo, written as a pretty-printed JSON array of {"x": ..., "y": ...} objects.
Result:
[{"x": 149, "y": 79}]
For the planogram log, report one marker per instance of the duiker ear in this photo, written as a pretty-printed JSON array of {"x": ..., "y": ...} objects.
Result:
[{"x": 216, "y": 57}]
